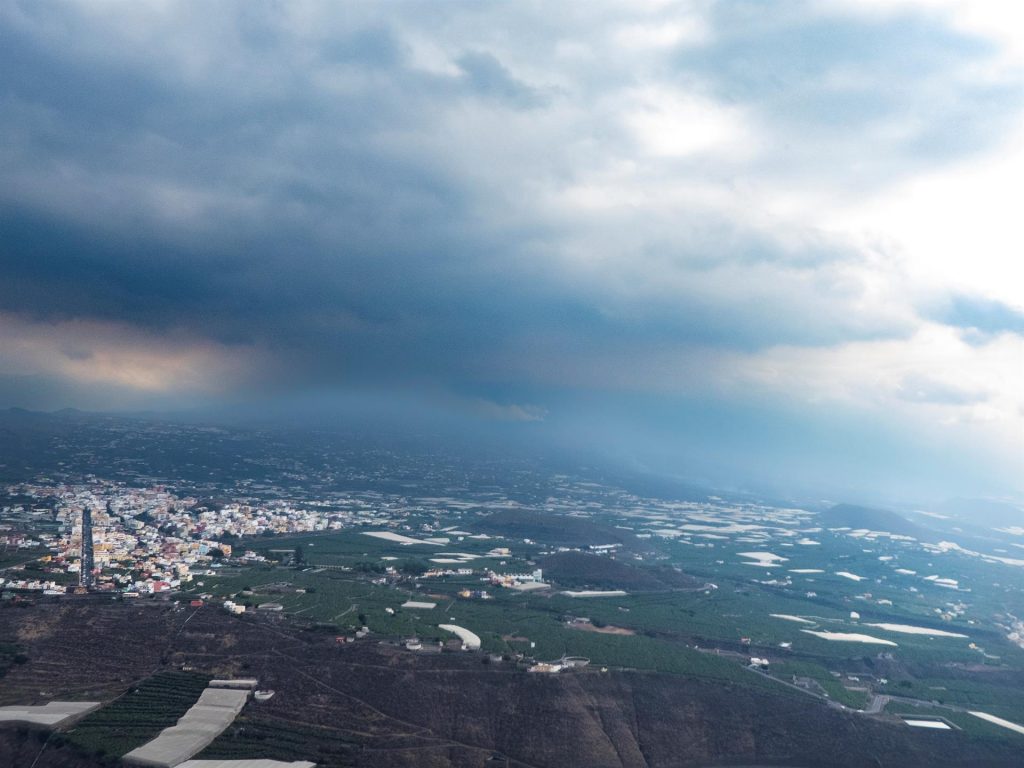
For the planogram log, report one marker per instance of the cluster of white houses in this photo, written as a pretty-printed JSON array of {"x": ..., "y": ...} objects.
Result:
[{"x": 150, "y": 540}]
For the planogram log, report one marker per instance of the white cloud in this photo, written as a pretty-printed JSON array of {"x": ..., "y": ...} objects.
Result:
[
  {"x": 671, "y": 123},
  {"x": 642, "y": 37},
  {"x": 953, "y": 229},
  {"x": 933, "y": 382}
]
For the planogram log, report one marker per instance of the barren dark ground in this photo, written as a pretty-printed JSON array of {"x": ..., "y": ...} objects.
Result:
[{"x": 368, "y": 704}]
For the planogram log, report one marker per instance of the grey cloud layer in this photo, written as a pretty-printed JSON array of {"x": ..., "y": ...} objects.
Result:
[{"x": 367, "y": 194}]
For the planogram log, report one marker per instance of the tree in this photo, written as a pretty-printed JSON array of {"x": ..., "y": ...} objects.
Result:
[
  {"x": 217, "y": 553},
  {"x": 364, "y": 566},
  {"x": 414, "y": 567},
  {"x": 300, "y": 554}
]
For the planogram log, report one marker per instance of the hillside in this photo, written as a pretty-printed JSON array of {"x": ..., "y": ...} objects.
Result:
[
  {"x": 376, "y": 706},
  {"x": 852, "y": 516}
]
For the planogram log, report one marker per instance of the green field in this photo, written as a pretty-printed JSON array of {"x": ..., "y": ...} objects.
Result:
[{"x": 666, "y": 631}]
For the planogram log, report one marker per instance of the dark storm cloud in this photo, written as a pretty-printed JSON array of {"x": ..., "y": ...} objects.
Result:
[
  {"x": 267, "y": 206},
  {"x": 302, "y": 194},
  {"x": 364, "y": 310}
]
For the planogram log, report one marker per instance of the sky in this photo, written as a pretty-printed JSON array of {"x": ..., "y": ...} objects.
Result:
[{"x": 775, "y": 243}]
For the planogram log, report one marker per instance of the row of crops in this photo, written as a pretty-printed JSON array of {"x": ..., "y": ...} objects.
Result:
[
  {"x": 139, "y": 715},
  {"x": 280, "y": 740}
]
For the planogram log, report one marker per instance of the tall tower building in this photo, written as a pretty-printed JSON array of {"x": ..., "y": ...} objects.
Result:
[{"x": 87, "y": 577}]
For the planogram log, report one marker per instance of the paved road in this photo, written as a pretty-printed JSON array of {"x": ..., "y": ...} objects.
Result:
[
  {"x": 878, "y": 702},
  {"x": 876, "y": 705},
  {"x": 832, "y": 703}
]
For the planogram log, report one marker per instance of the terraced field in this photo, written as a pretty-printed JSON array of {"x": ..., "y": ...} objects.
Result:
[
  {"x": 277, "y": 739},
  {"x": 139, "y": 715}
]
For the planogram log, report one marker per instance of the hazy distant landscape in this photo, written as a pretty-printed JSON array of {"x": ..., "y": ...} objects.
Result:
[{"x": 305, "y": 563}]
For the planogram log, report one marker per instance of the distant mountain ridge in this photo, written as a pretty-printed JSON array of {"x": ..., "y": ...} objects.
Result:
[{"x": 853, "y": 516}]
